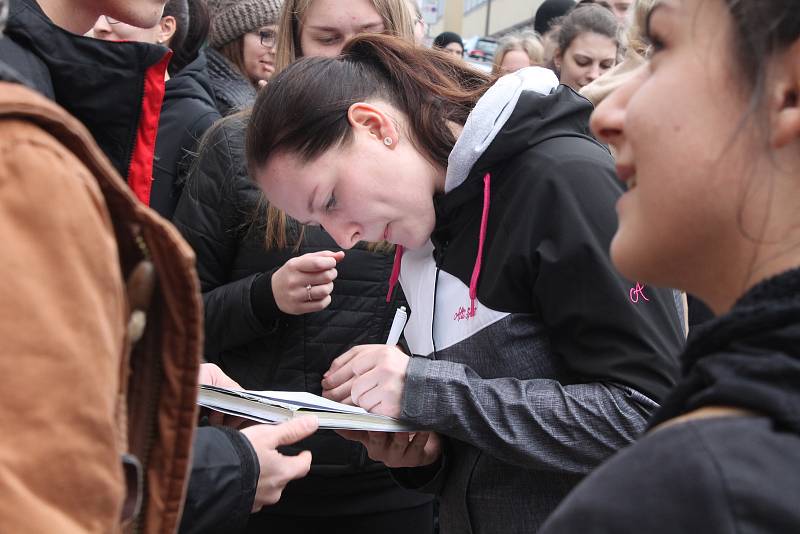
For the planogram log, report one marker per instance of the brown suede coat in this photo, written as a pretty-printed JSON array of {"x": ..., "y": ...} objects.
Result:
[{"x": 85, "y": 383}]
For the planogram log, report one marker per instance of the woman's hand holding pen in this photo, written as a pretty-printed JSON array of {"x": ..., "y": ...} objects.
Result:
[{"x": 370, "y": 376}]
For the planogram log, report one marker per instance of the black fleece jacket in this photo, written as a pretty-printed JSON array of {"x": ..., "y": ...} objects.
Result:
[{"x": 714, "y": 475}]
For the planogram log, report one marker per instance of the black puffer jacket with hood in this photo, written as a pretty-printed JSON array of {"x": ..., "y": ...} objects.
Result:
[
  {"x": 735, "y": 473},
  {"x": 187, "y": 112},
  {"x": 221, "y": 214}
]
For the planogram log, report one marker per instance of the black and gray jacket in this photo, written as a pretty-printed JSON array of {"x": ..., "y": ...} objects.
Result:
[
  {"x": 536, "y": 359},
  {"x": 221, "y": 214},
  {"x": 713, "y": 475}
]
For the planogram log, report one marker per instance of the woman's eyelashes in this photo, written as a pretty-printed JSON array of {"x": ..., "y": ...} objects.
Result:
[
  {"x": 331, "y": 203},
  {"x": 327, "y": 40}
]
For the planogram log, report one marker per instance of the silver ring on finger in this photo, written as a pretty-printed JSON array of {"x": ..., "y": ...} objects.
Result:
[{"x": 308, "y": 293}]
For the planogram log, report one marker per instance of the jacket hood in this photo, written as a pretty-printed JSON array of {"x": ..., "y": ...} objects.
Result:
[
  {"x": 522, "y": 110},
  {"x": 748, "y": 358},
  {"x": 120, "y": 87},
  {"x": 192, "y": 82},
  {"x": 490, "y": 115}
]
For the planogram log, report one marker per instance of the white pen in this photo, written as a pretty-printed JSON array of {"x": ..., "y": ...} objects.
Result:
[{"x": 398, "y": 324}]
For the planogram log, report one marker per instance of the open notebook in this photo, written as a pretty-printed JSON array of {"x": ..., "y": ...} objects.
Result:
[{"x": 278, "y": 406}]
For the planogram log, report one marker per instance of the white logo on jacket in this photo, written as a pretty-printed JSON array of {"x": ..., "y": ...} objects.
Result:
[{"x": 452, "y": 322}]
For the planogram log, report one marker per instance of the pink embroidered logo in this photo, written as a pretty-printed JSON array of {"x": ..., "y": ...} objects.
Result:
[
  {"x": 463, "y": 314},
  {"x": 637, "y": 292}
]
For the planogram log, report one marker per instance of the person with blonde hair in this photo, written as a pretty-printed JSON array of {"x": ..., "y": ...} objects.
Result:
[
  {"x": 517, "y": 51},
  {"x": 282, "y": 300}
]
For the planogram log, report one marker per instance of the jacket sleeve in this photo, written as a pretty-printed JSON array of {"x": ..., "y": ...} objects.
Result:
[
  {"x": 600, "y": 335},
  {"x": 222, "y": 483},
  {"x": 211, "y": 218},
  {"x": 62, "y": 317}
]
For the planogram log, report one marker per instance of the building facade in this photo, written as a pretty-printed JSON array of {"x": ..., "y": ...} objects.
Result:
[{"x": 477, "y": 18}]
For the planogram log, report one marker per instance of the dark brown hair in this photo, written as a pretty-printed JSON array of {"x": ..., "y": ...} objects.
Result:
[
  {"x": 761, "y": 29},
  {"x": 587, "y": 18},
  {"x": 196, "y": 25},
  {"x": 303, "y": 111},
  {"x": 234, "y": 52}
]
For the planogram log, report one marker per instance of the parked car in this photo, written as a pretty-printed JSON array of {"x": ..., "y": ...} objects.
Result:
[{"x": 482, "y": 50}]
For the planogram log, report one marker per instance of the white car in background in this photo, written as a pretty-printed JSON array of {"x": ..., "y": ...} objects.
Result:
[{"x": 479, "y": 52}]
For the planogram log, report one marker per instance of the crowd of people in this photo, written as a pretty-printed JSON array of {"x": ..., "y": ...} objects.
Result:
[{"x": 598, "y": 243}]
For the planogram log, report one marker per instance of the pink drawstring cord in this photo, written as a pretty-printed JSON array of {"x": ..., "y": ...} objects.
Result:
[
  {"x": 398, "y": 257},
  {"x": 476, "y": 271}
]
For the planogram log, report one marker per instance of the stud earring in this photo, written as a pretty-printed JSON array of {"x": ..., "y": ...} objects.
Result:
[{"x": 387, "y": 141}]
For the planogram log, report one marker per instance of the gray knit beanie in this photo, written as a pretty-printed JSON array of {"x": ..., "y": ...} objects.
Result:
[{"x": 231, "y": 19}]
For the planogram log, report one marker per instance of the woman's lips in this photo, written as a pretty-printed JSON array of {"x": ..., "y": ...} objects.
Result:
[{"x": 627, "y": 174}]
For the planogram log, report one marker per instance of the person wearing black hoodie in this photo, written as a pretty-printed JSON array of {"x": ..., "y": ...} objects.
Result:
[
  {"x": 534, "y": 360},
  {"x": 723, "y": 453},
  {"x": 188, "y": 108}
]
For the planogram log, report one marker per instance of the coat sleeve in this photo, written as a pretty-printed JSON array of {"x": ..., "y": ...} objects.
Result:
[
  {"x": 62, "y": 317},
  {"x": 211, "y": 218},
  {"x": 222, "y": 483},
  {"x": 619, "y": 355}
]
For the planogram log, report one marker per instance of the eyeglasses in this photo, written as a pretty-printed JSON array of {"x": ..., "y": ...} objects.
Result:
[
  {"x": 268, "y": 38},
  {"x": 110, "y": 20}
]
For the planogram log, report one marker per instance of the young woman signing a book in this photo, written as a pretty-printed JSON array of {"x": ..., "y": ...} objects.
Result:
[
  {"x": 534, "y": 360},
  {"x": 281, "y": 302}
]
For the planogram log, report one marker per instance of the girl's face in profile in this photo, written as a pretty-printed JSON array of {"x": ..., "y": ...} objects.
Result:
[
  {"x": 687, "y": 161},
  {"x": 368, "y": 189}
]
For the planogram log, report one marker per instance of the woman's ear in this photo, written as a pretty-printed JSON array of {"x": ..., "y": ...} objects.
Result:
[
  {"x": 784, "y": 94},
  {"x": 373, "y": 121},
  {"x": 557, "y": 58},
  {"x": 166, "y": 29}
]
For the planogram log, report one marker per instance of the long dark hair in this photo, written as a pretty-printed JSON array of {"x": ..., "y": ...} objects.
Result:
[
  {"x": 179, "y": 10},
  {"x": 587, "y": 18},
  {"x": 761, "y": 29},
  {"x": 304, "y": 109},
  {"x": 194, "y": 27}
]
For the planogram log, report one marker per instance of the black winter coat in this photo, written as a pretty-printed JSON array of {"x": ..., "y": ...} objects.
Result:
[
  {"x": 187, "y": 112},
  {"x": 717, "y": 474},
  {"x": 221, "y": 214},
  {"x": 222, "y": 487},
  {"x": 114, "y": 88}
]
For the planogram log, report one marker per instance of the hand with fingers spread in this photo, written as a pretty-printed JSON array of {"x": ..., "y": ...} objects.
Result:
[
  {"x": 398, "y": 449},
  {"x": 369, "y": 376},
  {"x": 278, "y": 470},
  {"x": 304, "y": 284}
]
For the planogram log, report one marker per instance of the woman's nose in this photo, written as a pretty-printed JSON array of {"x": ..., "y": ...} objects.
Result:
[{"x": 345, "y": 235}]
